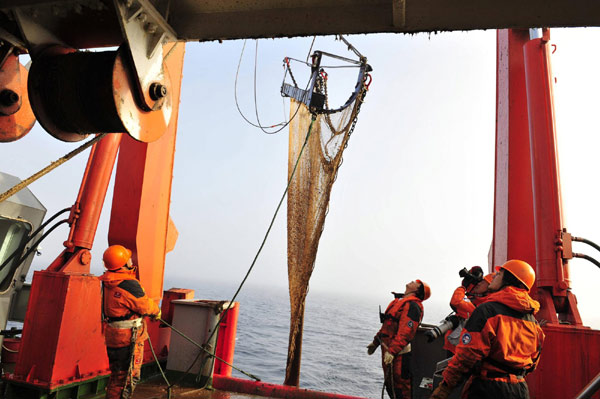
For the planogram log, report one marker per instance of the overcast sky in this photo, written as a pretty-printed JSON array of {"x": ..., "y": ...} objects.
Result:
[{"x": 414, "y": 197}]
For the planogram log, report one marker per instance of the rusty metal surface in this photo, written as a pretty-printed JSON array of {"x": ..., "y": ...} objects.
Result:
[
  {"x": 155, "y": 389},
  {"x": 93, "y": 23}
]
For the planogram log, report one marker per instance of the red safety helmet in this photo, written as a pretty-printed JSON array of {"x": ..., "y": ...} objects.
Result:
[
  {"x": 426, "y": 289},
  {"x": 521, "y": 270},
  {"x": 115, "y": 257}
]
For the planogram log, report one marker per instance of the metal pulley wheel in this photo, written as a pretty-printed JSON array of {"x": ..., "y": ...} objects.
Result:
[
  {"x": 74, "y": 94},
  {"x": 16, "y": 116}
]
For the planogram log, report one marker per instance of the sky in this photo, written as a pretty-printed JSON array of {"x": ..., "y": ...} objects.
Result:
[{"x": 414, "y": 196}]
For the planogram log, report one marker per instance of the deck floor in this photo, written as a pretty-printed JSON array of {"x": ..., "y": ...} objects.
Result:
[{"x": 155, "y": 389}]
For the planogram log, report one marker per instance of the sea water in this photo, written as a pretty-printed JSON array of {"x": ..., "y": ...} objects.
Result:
[{"x": 337, "y": 329}]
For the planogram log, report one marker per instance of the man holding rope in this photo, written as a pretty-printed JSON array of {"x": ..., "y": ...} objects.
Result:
[{"x": 123, "y": 306}]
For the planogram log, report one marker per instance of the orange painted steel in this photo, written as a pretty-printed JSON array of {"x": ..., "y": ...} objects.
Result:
[
  {"x": 62, "y": 335},
  {"x": 226, "y": 340},
  {"x": 93, "y": 191},
  {"x": 142, "y": 194},
  {"x": 62, "y": 338},
  {"x": 528, "y": 213},
  {"x": 514, "y": 236},
  {"x": 16, "y": 116},
  {"x": 547, "y": 201}
]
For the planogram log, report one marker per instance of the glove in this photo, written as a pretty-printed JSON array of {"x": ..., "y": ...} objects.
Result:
[
  {"x": 388, "y": 358},
  {"x": 371, "y": 348},
  {"x": 441, "y": 392}
]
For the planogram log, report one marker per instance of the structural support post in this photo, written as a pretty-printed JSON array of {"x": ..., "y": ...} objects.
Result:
[
  {"x": 514, "y": 236},
  {"x": 528, "y": 214}
]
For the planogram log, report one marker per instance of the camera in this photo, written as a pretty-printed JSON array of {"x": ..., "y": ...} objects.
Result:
[
  {"x": 473, "y": 276},
  {"x": 449, "y": 323}
]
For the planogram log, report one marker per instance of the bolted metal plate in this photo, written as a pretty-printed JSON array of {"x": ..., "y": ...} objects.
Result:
[{"x": 145, "y": 126}]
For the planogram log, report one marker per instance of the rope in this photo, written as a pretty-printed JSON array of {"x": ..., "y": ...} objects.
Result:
[
  {"x": 160, "y": 368},
  {"x": 259, "y": 249},
  {"x": 281, "y": 124},
  {"x": 18, "y": 187},
  {"x": 201, "y": 347}
]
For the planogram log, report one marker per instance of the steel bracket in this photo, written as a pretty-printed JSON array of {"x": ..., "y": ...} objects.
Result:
[{"x": 145, "y": 31}]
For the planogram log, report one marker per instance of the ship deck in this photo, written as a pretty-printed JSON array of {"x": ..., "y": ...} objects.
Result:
[{"x": 156, "y": 389}]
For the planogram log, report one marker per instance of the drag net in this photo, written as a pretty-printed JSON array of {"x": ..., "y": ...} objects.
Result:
[{"x": 308, "y": 203}]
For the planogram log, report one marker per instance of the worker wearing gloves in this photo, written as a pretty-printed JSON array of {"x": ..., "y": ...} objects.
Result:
[
  {"x": 400, "y": 322},
  {"x": 501, "y": 341},
  {"x": 123, "y": 306},
  {"x": 465, "y": 298}
]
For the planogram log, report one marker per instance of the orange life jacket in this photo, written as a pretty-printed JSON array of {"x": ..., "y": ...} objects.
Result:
[
  {"x": 124, "y": 299},
  {"x": 501, "y": 336},
  {"x": 400, "y": 322}
]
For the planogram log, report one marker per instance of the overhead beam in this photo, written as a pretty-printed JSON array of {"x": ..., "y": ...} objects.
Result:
[
  {"x": 216, "y": 19},
  {"x": 91, "y": 23}
]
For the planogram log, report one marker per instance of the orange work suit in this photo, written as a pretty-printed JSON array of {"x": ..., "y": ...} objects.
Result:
[
  {"x": 463, "y": 303},
  {"x": 500, "y": 344},
  {"x": 400, "y": 322},
  {"x": 124, "y": 300}
]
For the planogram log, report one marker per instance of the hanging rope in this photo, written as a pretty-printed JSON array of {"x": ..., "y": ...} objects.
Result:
[{"x": 18, "y": 187}]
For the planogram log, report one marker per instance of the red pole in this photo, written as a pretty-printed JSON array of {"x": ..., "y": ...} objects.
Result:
[
  {"x": 514, "y": 236},
  {"x": 226, "y": 340},
  {"x": 93, "y": 190}
]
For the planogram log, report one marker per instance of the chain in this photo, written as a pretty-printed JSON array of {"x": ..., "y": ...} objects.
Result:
[
  {"x": 360, "y": 100},
  {"x": 289, "y": 68}
]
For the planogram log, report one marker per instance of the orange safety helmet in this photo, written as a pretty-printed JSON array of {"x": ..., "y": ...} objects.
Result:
[
  {"x": 115, "y": 257},
  {"x": 521, "y": 270},
  {"x": 489, "y": 278},
  {"x": 426, "y": 289}
]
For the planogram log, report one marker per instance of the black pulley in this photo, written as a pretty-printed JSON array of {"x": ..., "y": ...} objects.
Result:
[{"x": 71, "y": 93}]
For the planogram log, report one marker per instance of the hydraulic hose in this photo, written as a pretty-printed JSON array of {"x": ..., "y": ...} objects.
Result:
[
  {"x": 31, "y": 236},
  {"x": 586, "y": 257},
  {"x": 586, "y": 241},
  {"x": 33, "y": 247}
]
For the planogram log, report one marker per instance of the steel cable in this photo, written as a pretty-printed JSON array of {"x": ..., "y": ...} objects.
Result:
[{"x": 18, "y": 187}]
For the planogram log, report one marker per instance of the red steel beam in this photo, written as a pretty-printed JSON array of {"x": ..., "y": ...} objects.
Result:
[
  {"x": 260, "y": 388},
  {"x": 514, "y": 236}
]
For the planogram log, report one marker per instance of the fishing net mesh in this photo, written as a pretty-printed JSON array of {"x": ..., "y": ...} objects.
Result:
[{"x": 308, "y": 203}]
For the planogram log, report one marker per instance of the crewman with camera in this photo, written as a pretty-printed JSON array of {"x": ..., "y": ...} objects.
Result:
[
  {"x": 465, "y": 298},
  {"x": 501, "y": 342}
]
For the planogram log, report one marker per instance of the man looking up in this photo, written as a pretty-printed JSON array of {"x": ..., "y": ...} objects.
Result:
[
  {"x": 400, "y": 322},
  {"x": 502, "y": 336}
]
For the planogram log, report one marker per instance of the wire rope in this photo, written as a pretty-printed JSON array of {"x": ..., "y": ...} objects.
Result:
[
  {"x": 18, "y": 187},
  {"x": 282, "y": 125},
  {"x": 231, "y": 302},
  {"x": 160, "y": 368}
]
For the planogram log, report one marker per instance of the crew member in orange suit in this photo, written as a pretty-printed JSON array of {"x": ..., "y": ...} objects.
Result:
[
  {"x": 400, "y": 321},
  {"x": 501, "y": 342},
  {"x": 465, "y": 298},
  {"x": 123, "y": 307}
]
